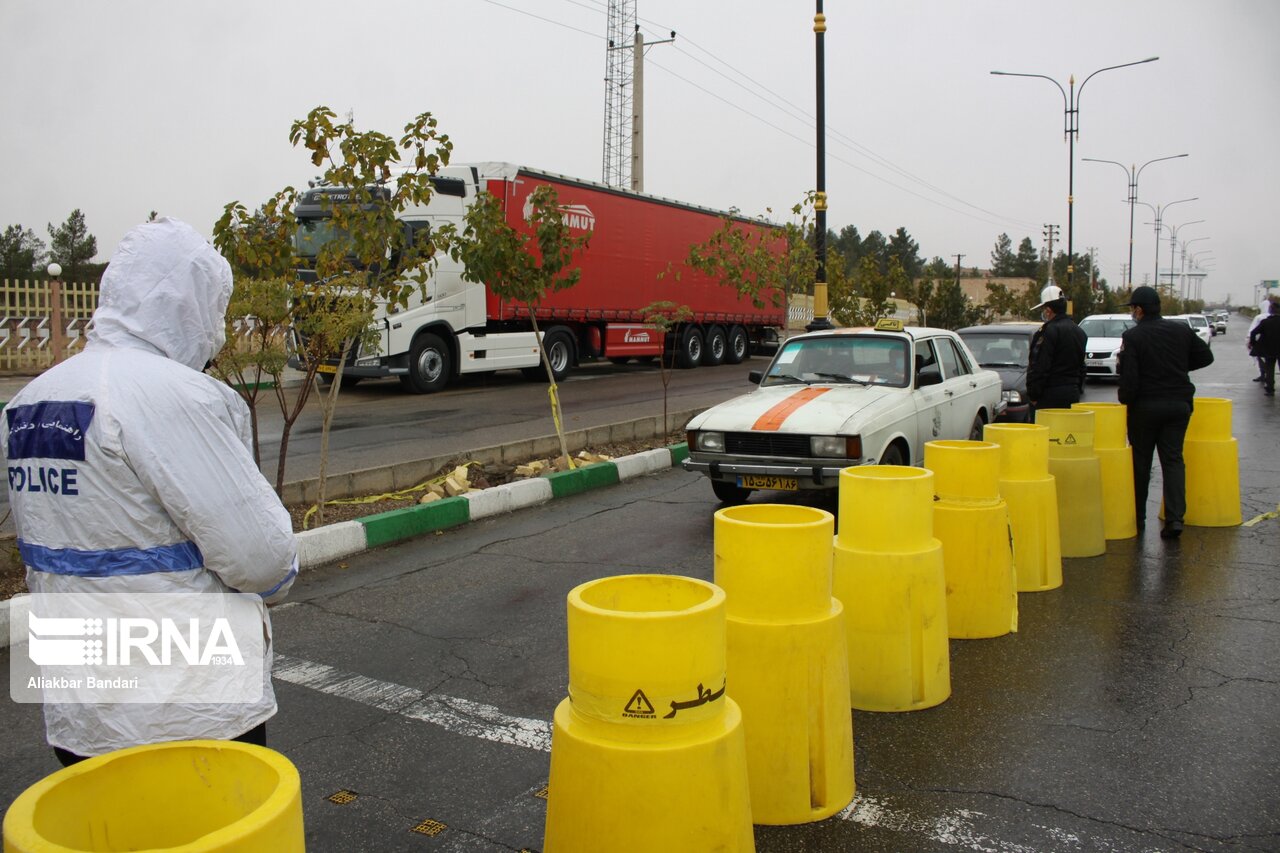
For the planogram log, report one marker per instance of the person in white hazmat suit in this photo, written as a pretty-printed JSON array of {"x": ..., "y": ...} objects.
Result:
[{"x": 156, "y": 490}]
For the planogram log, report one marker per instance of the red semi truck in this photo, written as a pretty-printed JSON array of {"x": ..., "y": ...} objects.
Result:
[{"x": 462, "y": 327}]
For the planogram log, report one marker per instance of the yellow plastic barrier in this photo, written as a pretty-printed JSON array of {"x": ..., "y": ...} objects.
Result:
[
  {"x": 971, "y": 521},
  {"x": 1111, "y": 443},
  {"x": 1032, "y": 496},
  {"x": 1078, "y": 473},
  {"x": 1213, "y": 466},
  {"x": 196, "y": 796},
  {"x": 888, "y": 574},
  {"x": 648, "y": 751},
  {"x": 787, "y": 660}
]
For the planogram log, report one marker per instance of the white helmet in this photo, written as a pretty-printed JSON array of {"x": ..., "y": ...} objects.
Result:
[{"x": 1051, "y": 293}]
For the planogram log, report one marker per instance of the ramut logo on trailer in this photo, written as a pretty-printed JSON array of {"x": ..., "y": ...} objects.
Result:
[{"x": 577, "y": 216}]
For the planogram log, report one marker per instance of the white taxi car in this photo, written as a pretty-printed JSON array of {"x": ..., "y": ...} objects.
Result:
[{"x": 843, "y": 397}]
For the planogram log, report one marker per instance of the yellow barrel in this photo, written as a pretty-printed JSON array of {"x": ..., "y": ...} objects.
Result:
[
  {"x": 1119, "y": 516},
  {"x": 1078, "y": 473},
  {"x": 1032, "y": 497},
  {"x": 196, "y": 796},
  {"x": 648, "y": 747},
  {"x": 1210, "y": 419},
  {"x": 1212, "y": 458},
  {"x": 1110, "y": 423},
  {"x": 972, "y": 523},
  {"x": 788, "y": 665},
  {"x": 888, "y": 573}
]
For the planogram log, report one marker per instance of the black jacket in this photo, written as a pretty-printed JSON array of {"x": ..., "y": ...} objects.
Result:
[
  {"x": 1057, "y": 357},
  {"x": 1155, "y": 357},
  {"x": 1264, "y": 340}
]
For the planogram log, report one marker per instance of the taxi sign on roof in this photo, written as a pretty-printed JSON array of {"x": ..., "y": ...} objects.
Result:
[{"x": 888, "y": 324}]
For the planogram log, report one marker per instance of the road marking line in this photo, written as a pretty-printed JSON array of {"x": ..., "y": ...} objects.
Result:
[{"x": 459, "y": 716}]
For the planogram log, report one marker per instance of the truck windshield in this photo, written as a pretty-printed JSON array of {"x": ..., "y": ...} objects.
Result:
[{"x": 313, "y": 234}]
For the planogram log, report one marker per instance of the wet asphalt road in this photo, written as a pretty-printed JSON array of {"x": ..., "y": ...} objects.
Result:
[{"x": 1136, "y": 709}]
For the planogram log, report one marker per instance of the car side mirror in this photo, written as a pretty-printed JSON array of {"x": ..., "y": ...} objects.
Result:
[
  {"x": 925, "y": 379},
  {"x": 755, "y": 376}
]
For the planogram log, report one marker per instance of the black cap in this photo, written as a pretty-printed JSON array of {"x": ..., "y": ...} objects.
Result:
[{"x": 1145, "y": 296}]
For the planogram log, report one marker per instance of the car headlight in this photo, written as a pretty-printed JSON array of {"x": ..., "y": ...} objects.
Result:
[
  {"x": 1011, "y": 396},
  {"x": 712, "y": 442},
  {"x": 836, "y": 446}
]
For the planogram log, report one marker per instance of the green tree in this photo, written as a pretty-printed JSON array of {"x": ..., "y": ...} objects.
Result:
[
  {"x": 371, "y": 260},
  {"x": 949, "y": 308},
  {"x": 21, "y": 252},
  {"x": 762, "y": 262},
  {"x": 666, "y": 317},
  {"x": 877, "y": 248},
  {"x": 523, "y": 265},
  {"x": 1027, "y": 261},
  {"x": 849, "y": 244},
  {"x": 906, "y": 251},
  {"x": 72, "y": 246},
  {"x": 1003, "y": 260}
]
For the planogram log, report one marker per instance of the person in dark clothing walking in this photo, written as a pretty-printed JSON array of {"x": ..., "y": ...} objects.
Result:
[
  {"x": 1055, "y": 376},
  {"x": 1264, "y": 342},
  {"x": 1155, "y": 357}
]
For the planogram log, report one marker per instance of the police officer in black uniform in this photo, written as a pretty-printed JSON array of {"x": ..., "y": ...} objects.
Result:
[
  {"x": 1055, "y": 375},
  {"x": 1155, "y": 357}
]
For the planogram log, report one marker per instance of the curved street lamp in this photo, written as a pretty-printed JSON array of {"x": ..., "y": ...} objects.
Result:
[
  {"x": 1159, "y": 210},
  {"x": 1173, "y": 241},
  {"x": 1071, "y": 121},
  {"x": 1133, "y": 173}
]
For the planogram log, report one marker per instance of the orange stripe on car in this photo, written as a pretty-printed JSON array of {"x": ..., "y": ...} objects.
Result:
[{"x": 772, "y": 419}]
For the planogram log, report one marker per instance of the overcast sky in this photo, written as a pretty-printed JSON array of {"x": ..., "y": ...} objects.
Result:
[{"x": 119, "y": 108}]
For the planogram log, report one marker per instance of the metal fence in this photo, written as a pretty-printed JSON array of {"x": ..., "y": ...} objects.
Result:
[{"x": 36, "y": 326}]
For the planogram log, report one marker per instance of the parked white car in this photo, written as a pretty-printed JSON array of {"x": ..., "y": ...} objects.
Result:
[
  {"x": 1198, "y": 323},
  {"x": 1102, "y": 350},
  {"x": 844, "y": 397}
]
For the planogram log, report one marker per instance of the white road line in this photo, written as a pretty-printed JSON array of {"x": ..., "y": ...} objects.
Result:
[
  {"x": 460, "y": 716},
  {"x": 955, "y": 828}
]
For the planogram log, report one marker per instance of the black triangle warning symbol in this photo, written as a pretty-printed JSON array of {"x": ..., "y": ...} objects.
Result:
[
  {"x": 1071, "y": 439},
  {"x": 639, "y": 704}
]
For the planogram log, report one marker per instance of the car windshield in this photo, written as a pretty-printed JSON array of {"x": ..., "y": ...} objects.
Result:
[
  {"x": 854, "y": 359},
  {"x": 999, "y": 350},
  {"x": 1098, "y": 327}
]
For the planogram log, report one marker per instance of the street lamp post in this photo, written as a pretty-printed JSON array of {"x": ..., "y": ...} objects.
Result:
[
  {"x": 820, "y": 320},
  {"x": 1133, "y": 173},
  {"x": 1071, "y": 121},
  {"x": 1173, "y": 240},
  {"x": 1182, "y": 266},
  {"x": 57, "y": 335},
  {"x": 1159, "y": 210}
]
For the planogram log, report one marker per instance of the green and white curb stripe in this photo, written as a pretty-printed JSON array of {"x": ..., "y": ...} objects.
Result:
[{"x": 335, "y": 541}]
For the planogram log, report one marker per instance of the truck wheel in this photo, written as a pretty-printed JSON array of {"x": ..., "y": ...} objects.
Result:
[
  {"x": 559, "y": 346},
  {"x": 736, "y": 350},
  {"x": 713, "y": 352},
  {"x": 689, "y": 353},
  {"x": 429, "y": 367},
  {"x": 729, "y": 493}
]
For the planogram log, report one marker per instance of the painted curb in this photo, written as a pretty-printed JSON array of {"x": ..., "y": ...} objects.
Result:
[{"x": 335, "y": 541}]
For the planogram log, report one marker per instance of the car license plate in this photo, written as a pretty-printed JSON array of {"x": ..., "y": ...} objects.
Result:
[
  {"x": 327, "y": 368},
  {"x": 767, "y": 481}
]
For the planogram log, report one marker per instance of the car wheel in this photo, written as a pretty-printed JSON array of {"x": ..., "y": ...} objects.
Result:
[
  {"x": 689, "y": 353},
  {"x": 559, "y": 347},
  {"x": 729, "y": 493},
  {"x": 975, "y": 431},
  {"x": 428, "y": 365},
  {"x": 892, "y": 456},
  {"x": 713, "y": 352},
  {"x": 736, "y": 350}
]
